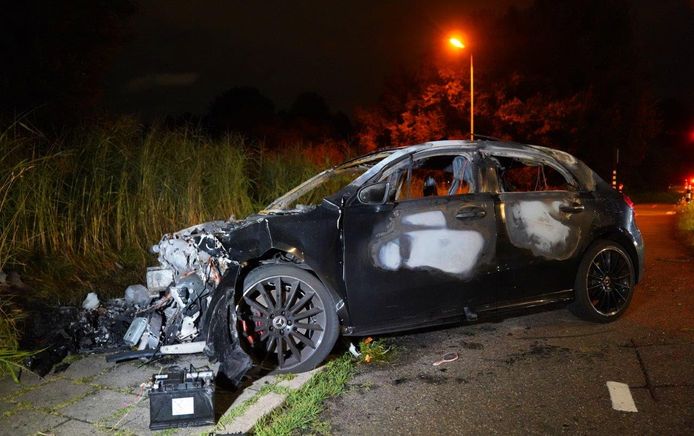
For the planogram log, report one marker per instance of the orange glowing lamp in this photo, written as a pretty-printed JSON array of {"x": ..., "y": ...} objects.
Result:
[{"x": 455, "y": 42}]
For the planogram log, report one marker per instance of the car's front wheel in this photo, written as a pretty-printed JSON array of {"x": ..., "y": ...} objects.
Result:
[
  {"x": 287, "y": 318},
  {"x": 604, "y": 283}
]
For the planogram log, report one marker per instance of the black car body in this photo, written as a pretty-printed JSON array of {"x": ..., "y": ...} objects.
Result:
[{"x": 419, "y": 236}]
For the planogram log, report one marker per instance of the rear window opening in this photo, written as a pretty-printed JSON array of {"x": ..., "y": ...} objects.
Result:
[{"x": 524, "y": 175}]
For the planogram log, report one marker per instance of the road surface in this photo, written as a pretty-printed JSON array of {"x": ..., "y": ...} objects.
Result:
[{"x": 546, "y": 372}]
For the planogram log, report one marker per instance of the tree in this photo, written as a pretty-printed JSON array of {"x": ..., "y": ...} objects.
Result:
[
  {"x": 415, "y": 107},
  {"x": 243, "y": 110},
  {"x": 563, "y": 74}
]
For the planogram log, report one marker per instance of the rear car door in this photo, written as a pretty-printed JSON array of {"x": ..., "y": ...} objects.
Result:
[
  {"x": 424, "y": 254},
  {"x": 544, "y": 224}
]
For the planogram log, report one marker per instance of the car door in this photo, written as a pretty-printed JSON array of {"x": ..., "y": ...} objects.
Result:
[
  {"x": 424, "y": 254},
  {"x": 544, "y": 221}
]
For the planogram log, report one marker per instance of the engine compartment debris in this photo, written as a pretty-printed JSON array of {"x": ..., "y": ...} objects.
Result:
[
  {"x": 91, "y": 302},
  {"x": 178, "y": 292},
  {"x": 171, "y": 314},
  {"x": 137, "y": 295}
]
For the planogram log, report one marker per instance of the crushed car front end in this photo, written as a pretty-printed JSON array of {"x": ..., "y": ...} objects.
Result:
[
  {"x": 201, "y": 271},
  {"x": 191, "y": 288}
]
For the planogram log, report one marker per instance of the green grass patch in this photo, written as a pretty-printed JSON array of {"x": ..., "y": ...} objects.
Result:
[
  {"x": 685, "y": 222},
  {"x": 302, "y": 408},
  {"x": 285, "y": 377}
]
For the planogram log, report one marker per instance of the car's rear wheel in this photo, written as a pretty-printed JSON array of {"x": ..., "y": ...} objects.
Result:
[
  {"x": 287, "y": 318},
  {"x": 604, "y": 283}
]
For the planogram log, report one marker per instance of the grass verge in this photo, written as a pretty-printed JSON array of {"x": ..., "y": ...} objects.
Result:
[
  {"x": 303, "y": 407},
  {"x": 685, "y": 222}
]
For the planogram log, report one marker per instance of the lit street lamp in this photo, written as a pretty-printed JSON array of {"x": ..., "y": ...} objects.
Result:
[{"x": 458, "y": 44}]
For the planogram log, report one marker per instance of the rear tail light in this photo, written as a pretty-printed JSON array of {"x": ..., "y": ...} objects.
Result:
[{"x": 628, "y": 201}]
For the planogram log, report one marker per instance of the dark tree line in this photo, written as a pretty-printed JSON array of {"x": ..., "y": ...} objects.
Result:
[
  {"x": 245, "y": 110},
  {"x": 559, "y": 73},
  {"x": 564, "y": 74}
]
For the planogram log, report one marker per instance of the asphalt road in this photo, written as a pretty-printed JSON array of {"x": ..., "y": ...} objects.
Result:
[{"x": 546, "y": 372}]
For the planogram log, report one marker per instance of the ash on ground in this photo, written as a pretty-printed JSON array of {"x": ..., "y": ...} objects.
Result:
[{"x": 59, "y": 331}]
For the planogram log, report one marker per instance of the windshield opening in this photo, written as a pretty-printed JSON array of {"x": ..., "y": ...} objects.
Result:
[{"x": 325, "y": 184}]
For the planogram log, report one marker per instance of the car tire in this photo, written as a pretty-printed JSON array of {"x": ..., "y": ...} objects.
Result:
[
  {"x": 604, "y": 283},
  {"x": 292, "y": 330}
]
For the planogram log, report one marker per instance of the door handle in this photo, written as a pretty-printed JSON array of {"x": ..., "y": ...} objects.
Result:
[
  {"x": 470, "y": 213},
  {"x": 572, "y": 208}
]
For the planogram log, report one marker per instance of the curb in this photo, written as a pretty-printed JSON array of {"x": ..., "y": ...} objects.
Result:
[{"x": 260, "y": 399}]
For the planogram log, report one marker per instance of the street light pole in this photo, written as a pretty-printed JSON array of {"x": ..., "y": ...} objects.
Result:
[
  {"x": 457, "y": 43},
  {"x": 472, "y": 100}
]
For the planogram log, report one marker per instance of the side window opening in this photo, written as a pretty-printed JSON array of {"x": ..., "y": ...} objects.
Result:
[
  {"x": 436, "y": 176},
  {"x": 525, "y": 175}
]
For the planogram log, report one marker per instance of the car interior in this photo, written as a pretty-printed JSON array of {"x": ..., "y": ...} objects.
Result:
[{"x": 435, "y": 176}]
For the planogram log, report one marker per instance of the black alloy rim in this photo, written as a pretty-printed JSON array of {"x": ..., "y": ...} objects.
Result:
[
  {"x": 609, "y": 282},
  {"x": 282, "y": 319}
]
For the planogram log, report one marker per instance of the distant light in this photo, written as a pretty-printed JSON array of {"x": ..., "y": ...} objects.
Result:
[{"x": 455, "y": 42}]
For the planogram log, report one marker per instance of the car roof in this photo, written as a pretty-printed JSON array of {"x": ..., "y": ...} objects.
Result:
[
  {"x": 496, "y": 147},
  {"x": 585, "y": 176},
  {"x": 478, "y": 145}
]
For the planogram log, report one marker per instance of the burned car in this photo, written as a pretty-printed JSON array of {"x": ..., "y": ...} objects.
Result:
[{"x": 424, "y": 235}]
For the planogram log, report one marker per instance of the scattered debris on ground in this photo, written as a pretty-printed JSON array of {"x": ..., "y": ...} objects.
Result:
[
  {"x": 63, "y": 330},
  {"x": 447, "y": 358}
]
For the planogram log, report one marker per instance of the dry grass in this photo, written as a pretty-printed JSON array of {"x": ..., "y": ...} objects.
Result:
[
  {"x": 79, "y": 213},
  {"x": 11, "y": 357}
]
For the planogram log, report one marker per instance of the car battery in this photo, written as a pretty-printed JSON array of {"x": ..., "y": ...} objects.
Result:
[{"x": 181, "y": 398}]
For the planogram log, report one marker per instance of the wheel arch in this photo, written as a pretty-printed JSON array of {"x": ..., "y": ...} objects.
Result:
[
  {"x": 294, "y": 257},
  {"x": 621, "y": 237}
]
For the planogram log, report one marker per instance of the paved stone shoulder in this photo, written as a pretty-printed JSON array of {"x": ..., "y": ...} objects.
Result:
[{"x": 96, "y": 397}]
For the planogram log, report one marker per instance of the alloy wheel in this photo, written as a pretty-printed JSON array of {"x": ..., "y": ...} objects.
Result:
[
  {"x": 609, "y": 281},
  {"x": 282, "y": 319}
]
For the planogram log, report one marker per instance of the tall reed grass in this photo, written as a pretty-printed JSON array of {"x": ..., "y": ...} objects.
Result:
[
  {"x": 79, "y": 213},
  {"x": 11, "y": 357}
]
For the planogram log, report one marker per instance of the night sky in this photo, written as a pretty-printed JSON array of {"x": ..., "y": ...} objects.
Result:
[{"x": 178, "y": 55}]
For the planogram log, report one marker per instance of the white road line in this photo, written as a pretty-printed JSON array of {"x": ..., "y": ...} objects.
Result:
[{"x": 621, "y": 397}]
